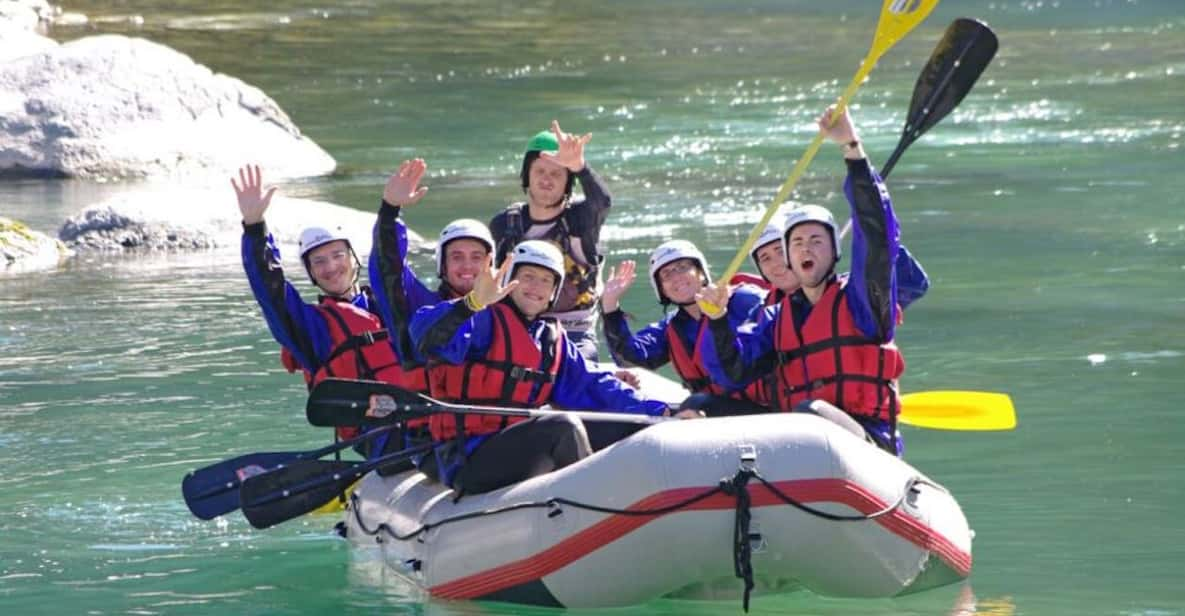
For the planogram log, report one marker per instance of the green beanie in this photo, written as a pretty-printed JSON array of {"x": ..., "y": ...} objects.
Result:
[{"x": 545, "y": 141}]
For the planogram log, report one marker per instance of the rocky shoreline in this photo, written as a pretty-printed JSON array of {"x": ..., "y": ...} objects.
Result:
[{"x": 112, "y": 108}]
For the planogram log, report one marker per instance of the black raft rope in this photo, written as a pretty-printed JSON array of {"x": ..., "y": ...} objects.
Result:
[{"x": 736, "y": 487}]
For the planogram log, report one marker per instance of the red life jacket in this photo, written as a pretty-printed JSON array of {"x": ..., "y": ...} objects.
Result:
[
  {"x": 513, "y": 368},
  {"x": 359, "y": 350},
  {"x": 690, "y": 367},
  {"x": 831, "y": 359}
]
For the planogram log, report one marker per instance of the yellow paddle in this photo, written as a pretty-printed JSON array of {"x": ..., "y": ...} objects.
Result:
[
  {"x": 898, "y": 18},
  {"x": 958, "y": 410}
]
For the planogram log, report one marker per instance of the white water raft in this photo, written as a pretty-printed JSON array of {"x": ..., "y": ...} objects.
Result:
[{"x": 646, "y": 518}]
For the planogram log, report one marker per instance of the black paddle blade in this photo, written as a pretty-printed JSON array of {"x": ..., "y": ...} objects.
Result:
[
  {"x": 213, "y": 490},
  {"x": 347, "y": 402},
  {"x": 294, "y": 490},
  {"x": 966, "y": 48}
]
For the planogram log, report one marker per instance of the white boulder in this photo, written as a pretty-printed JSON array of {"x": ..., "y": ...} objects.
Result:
[{"x": 114, "y": 107}]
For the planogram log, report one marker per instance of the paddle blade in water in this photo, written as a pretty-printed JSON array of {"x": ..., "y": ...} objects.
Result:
[
  {"x": 294, "y": 490},
  {"x": 213, "y": 490},
  {"x": 958, "y": 410}
]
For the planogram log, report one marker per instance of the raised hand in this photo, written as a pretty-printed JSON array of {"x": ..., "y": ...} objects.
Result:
[
  {"x": 571, "y": 152},
  {"x": 253, "y": 202},
  {"x": 620, "y": 279},
  {"x": 403, "y": 187},
  {"x": 713, "y": 300},
  {"x": 842, "y": 131},
  {"x": 487, "y": 287}
]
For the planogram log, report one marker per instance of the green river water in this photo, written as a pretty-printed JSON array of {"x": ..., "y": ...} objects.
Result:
[{"x": 1046, "y": 209}]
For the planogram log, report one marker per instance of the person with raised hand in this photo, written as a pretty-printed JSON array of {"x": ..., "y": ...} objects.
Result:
[
  {"x": 677, "y": 271},
  {"x": 553, "y": 162},
  {"x": 494, "y": 346},
  {"x": 831, "y": 341},
  {"x": 462, "y": 250},
  {"x": 341, "y": 335}
]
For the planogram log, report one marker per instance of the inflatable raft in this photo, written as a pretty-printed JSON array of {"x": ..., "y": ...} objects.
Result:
[{"x": 683, "y": 508}]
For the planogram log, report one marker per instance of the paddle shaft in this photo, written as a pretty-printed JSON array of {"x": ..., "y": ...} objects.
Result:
[
  {"x": 925, "y": 112},
  {"x": 897, "y": 18}
]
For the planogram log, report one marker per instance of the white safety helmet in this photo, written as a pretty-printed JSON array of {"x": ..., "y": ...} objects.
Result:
[
  {"x": 805, "y": 214},
  {"x": 462, "y": 228},
  {"x": 313, "y": 237},
  {"x": 541, "y": 253},
  {"x": 772, "y": 233},
  {"x": 670, "y": 251}
]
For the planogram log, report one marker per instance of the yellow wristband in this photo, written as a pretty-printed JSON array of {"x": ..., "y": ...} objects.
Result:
[{"x": 472, "y": 303}]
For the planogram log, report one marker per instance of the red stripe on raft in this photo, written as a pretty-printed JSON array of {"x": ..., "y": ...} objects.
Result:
[{"x": 617, "y": 526}]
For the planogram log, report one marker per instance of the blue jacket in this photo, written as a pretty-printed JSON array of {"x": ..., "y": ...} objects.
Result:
[
  {"x": 649, "y": 347},
  {"x": 450, "y": 332},
  {"x": 398, "y": 291},
  {"x": 734, "y": 357},
  {"x": 298, "y": 326}
]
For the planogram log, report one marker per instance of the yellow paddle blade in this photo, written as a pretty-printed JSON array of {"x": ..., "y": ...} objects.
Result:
[
  {"x": 958, "y": 410},
  {"x": 898, "y": 18}
]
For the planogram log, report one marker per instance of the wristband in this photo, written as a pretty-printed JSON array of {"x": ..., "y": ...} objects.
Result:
[{"x": 471, "y": 302}]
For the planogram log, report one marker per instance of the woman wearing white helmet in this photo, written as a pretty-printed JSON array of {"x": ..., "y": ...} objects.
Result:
[
  {"x": 677, "y": 272},
  {"x": 339, "y": 336},
  {"x": 830, "y": 342},
  {"x": 494, "y": 347}
]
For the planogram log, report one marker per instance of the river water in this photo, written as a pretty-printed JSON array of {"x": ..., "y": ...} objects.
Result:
[{"x": 1045, "y": 210}]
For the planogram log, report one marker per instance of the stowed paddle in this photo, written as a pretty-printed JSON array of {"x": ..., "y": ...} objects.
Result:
[
  {"x": 304, "y": 485},
  {"x": 965, "y": 50},
  {"x": 213, "y": 490},
  {"x": 897, "y": 19},
  {"x": 346, "y": 402}
]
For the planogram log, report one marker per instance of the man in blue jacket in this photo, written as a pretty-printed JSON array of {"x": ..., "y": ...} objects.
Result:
[
  {"x": 830, "y": 343},
  {"x": 494, "y": 348},
  {"x": 339, "y": 336}
]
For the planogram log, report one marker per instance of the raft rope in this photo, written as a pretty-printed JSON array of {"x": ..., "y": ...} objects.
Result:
[{"x": 726, "y": 486}]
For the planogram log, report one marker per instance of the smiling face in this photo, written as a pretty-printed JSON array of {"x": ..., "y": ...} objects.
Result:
[
  {"x": 534, "y": 291},
  {"x": 463, "y": 259},
  {"x": 332, "y": 267},
  {"x": 680, "y": 280},
  {"x": 547, "y": 182},
  {"x": 812, "y": 253},
  {"x": 772, "y": 264}
]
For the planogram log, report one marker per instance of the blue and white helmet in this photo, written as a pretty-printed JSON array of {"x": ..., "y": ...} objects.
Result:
[
  {"x": 804, "y": 214},
  {"x": 462, "y": 228},
  {"x": 541, "y": 253},
  {"x": 671, "y": 251}
]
